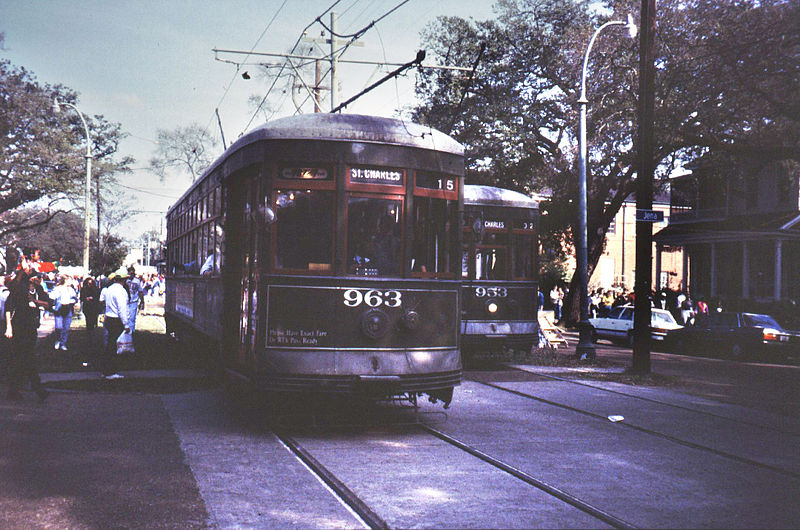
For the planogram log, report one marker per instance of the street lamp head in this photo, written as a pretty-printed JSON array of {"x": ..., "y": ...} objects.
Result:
[
  {"x": 56, "y": 106},
  {"x": 633, "y": 30}
]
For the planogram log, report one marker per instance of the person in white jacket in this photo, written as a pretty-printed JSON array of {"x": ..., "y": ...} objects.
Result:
[
  {"x": 116, "y": 322},
  {"x": 64, "y": 299}
]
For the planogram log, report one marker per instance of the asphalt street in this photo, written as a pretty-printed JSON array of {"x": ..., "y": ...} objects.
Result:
[{"x": 716, "y": 448}]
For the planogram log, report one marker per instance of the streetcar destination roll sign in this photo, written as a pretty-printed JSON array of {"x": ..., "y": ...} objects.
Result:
[{"x": 365, "y": 175}]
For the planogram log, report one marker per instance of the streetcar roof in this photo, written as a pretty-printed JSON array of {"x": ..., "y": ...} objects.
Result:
[
  {"x": 491, "y": 196},
  {"x": 352, "y": 128},
  {"x": 341, "y": 128}
]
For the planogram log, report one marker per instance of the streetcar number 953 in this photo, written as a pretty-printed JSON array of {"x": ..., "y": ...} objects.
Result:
[
  {"x": 372, "y": 298},
  {"x": 491, "y": 292}
]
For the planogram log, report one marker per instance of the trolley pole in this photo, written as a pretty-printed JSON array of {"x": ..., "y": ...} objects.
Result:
[{"x": 644, "y": 191}]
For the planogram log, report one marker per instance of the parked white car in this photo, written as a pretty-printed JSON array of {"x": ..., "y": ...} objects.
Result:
[{"x": 618, "y": 325}]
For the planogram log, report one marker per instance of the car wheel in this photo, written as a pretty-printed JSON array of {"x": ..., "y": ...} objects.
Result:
[
  {"x": 681, "y": 346},
  {"x": 737, "y": 351},
  {"x": 594, "y": 336},
  {"x": 629, "y": 340}
]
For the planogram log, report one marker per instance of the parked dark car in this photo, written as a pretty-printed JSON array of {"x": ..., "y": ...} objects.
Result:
[{"x": 735, "y": 335}]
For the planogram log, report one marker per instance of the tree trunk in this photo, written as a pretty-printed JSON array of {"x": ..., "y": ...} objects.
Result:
[{"x": 571, "y": 313}]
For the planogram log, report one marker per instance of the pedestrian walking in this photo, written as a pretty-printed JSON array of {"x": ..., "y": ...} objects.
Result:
[
  {"x": 135, "y": 287},
  {"x": 22, "y": 320},
  {"x": 64, "y": 299},
  {"x": 90, "y": 303},
  {"x": 115, "y": 322}
]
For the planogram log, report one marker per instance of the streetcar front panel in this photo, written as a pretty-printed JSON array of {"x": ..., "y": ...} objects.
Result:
[{"x": 499, "y": 270}]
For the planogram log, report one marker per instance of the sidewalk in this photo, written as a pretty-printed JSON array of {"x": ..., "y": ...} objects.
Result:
[{"x": 156, "y": 358}]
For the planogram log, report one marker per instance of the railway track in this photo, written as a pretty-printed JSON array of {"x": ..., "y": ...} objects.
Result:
[
  {"x": 371, "y": 519},
  {"x": 651, "y": 432},
  {"x": 665, "y": 403}
]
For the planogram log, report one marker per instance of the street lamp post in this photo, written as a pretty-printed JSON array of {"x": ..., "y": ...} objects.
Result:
[
  {"x": 87, "y": 216},
  {"x": 585, "y": 348}
]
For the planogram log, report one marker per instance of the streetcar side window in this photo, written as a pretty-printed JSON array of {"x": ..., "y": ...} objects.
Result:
[
  {"x": 304, "y": 230},
  {"x": 523, "y": 256},
  {"x": 373, "y": 236}
]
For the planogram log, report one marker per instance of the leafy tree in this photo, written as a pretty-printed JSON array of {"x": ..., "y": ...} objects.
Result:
[
  {"x": 42, "y": 154},
  {"x": 111, "y": 254},
  {"x": 188, "y": 149},
  {"x": 727, "y": 83}
]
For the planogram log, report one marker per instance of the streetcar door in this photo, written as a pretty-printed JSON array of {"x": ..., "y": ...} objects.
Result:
[{"x": 242, "y": 260}]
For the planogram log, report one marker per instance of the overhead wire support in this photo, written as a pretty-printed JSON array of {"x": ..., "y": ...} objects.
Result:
[
  {"x": 416, "y": 62},
  {"x": 348, "y": 61}
]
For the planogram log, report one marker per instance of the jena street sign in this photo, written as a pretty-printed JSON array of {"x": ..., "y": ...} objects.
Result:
[{"x": 649, "y": 216}]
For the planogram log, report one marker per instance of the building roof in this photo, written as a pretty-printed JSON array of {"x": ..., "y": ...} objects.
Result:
[{"x": 784, "y": 225}]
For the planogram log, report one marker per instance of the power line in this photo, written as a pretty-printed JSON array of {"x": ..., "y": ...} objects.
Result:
[
  {"x": 261, "y": 104},
  {"x": 148, "y": 192},
  {"x": 236, "y": 73}
]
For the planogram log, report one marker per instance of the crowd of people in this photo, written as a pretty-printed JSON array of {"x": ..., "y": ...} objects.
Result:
[
  {"x": 601, "y": 301},
  {"x": 25, "y": 301}
]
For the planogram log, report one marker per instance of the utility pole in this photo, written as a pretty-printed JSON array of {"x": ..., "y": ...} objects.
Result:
[
  {"x": 334, "y": 64},
  {"x": 317, "y": 85},
  {"x": 644, "y": 190}
]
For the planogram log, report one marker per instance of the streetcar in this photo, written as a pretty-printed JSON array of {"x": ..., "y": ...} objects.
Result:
[
  {"x": 499, "y": 270},
  {"x": 321, "y": 254}
]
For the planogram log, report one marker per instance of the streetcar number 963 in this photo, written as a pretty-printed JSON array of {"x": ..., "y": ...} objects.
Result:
[
  {"x": 372, "y": 298},
  {"x": 491, "y": 292}
]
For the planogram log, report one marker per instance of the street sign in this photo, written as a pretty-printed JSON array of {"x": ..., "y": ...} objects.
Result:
[{"x": 649, "y": 216}]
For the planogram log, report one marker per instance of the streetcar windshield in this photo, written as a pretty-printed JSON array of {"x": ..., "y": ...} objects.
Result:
[
  {"x": 490, "y": 264},
  {"x": 433, "y": 239},
  {"x": 373, "y": 236}
]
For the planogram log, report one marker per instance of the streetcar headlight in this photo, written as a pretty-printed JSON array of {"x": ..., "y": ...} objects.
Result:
[{"x": 492, "y": 307}]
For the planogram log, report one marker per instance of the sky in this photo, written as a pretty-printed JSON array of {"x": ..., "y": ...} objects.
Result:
[{"x": 149, "y": 65}]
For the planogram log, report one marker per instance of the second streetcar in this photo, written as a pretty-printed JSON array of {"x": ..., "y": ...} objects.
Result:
[{"x": 499, "y": 270}]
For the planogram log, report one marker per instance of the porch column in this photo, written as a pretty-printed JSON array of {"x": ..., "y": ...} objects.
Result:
[
  {"x": 659, "y": 250},
  {"x": 745, "y": 271},
  {"x": 713, "y": 270},
  {"x": 685, "y": 272},
  {"x": 778, "y": 268}
]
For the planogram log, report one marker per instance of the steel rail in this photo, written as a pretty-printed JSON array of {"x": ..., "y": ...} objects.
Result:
[
  {"x": 658, "y": 402},
  {"x": 372, "y": 519},
  {"x": 570, "y": 499}
]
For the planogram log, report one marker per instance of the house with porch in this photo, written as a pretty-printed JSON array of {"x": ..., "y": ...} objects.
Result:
[{"x": 740, "y": 233}]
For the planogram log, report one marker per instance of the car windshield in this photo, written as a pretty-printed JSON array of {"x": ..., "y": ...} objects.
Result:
[
  {"x": 662, "y": 318},
  {"x": 760, "y": 321}
]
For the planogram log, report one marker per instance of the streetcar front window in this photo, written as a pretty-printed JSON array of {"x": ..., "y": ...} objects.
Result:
[
  {"x": 490, "y": 264},
  {"x": 373, "y": 236},
  {"x": 433, "y": 239},
  {"x": 304, "y": 230}
]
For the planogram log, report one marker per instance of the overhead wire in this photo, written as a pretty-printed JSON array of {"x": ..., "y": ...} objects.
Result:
[
  {"x": 352, "y": 38},
  {"x": 299, "y": 39},
  {"x": 236, "y": 73}
]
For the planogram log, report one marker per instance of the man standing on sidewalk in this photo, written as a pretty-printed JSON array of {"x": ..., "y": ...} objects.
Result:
[
  {"x": 116, "y": 321},
  {"x": 22, "y": 321}
]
